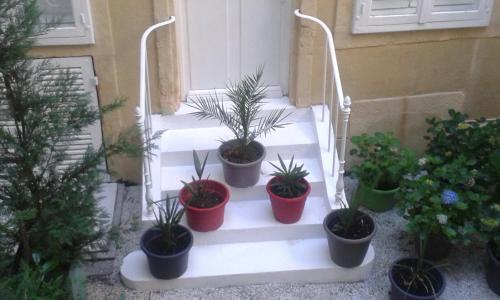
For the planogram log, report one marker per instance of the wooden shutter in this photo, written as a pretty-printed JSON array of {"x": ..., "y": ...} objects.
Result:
[
  {"x": 404, "y": 15},
  {"x": 473, "y": 12},
  {"x": 385, "y": 12},
  {"x": 82, "y": 69}
]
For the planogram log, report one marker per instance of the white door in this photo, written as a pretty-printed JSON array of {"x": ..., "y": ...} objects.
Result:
[{"x": 222, "y": 40}]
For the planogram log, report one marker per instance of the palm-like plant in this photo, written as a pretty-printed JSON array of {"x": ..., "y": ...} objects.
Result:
[
  {"x": 290, "y": 183},
  {"x": 242, "y": 117},
  {"x": 167, "y": 219}
]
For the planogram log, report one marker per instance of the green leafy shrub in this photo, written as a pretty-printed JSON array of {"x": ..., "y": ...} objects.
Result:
[
  {"x": 441, "y": 200},
  {"x": 384, "y": 161},
  {"x": 489, "y": 219},
  {"x": 474, "y": 139},
  {"x": 290, "y": 183},
  {"x": 47, "y": 208}
]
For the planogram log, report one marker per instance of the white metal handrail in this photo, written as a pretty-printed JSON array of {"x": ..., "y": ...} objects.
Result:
[
  {"x": 143, "y": 111},
  {"x": 343, "y": 103}
]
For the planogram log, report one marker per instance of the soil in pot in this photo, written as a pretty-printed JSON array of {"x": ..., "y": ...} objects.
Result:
[
  {"x": 241, "y": 169},
  {"x": 208, "y": 216},
  {"x": 348, "y": 245},
  {"x": 438, "y": 247},
  {"x": 379, "y": 199},
  {"x": 164, "y": 264},
  {"x": 287, "y": 210},
  {"x": 401, "y": 275},
  {"x": 493, "y": 269},
  {"x": 232, "y": 153},
  {"x": 362, "y": 227}
]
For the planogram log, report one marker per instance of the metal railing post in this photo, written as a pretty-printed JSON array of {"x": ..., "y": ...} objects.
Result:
[{"x": 143, "y": 111}]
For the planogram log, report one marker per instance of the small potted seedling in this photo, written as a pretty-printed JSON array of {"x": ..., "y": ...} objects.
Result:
[
  {"x": 167, "y": 244},
  {"x": 415, "y": 278},
  {"x": 203, "y": 199},
  {"x": 242, "y": 156},
  {"x": 349, "y": 233},
  {"x": 288, "y": 191}
]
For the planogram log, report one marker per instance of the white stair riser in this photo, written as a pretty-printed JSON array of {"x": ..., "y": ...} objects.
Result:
[
  {"x": 185, "y": 158},
  {"x": 309, "y": 231},
  {"x": 186, "y": 121},
  {"x": 257, "y": 192}
]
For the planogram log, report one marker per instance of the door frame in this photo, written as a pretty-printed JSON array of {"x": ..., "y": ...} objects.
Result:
[{"x": 286, "y": 43}]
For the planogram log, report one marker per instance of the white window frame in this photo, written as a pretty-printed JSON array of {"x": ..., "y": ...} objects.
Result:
[
  {"x": 80, "y": 34},
  {"x": 424, "y": 19}
]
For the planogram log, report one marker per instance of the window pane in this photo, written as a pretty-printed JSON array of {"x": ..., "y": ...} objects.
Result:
[
  {"x": 455, "y": 5},
  {"x": 60, "y": 11}
]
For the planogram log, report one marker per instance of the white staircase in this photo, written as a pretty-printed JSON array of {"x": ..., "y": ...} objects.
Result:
[{"x": 251, "y": 246}]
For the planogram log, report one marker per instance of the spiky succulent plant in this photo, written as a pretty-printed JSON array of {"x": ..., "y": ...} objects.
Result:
[{"x": 290, "y": 181}]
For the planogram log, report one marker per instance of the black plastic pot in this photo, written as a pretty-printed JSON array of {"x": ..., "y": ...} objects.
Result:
[
  {"x": 172, "y": 265},
  {"x": 241, "y": 175},
  {"x": 399, "y": 293},
  {"x": 347, "y": 253},
  {"x": 438, "y": 247},
  {"x": 493, "y": 270}
]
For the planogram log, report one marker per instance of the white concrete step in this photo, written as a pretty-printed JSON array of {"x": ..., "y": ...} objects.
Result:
[
  {"x": 171, "y": 179},
  {"x": 219, "y": 265},
  {"x": 177, "y": 145},
  {"x": 183, "y": 119},
  {"x": 253, "y": 221}
]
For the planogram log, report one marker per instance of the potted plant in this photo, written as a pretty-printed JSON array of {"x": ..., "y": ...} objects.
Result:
[
  {"x": 203, "y": 199},
  {"x": 167, "y": 244},
  {"x": 383, "y": 165},
  {"x": 242, "y": 156},
  {"x": 441, "y": 202},
  {"x": 416, "y": 278},
  {"x": 288, "y": 191},
  {"x": 349, "y": 233},
  {"x": 489, "y": 221}
]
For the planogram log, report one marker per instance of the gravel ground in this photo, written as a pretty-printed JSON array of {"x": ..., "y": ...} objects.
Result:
[{"x": 464, "y": 269}]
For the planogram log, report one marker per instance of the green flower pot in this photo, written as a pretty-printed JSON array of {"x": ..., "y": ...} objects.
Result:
[{"x": 373, "y": 199}]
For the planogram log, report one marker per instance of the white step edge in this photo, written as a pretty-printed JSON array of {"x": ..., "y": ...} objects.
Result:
[
  {"x": 273, "y": 91},
  {"x": 253, "y": 221},
  {"x": 298, "y": 261},
  {"x": 172, "y": 176},
  {"x": 327, "y": 156},
  {"x": 208, "y": 138}
]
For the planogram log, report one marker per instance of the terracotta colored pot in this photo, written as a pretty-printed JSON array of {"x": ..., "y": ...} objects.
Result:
[
  {"x": 169, "y": 266},
  {"x": 287, "y": 210},
  {"x": 206, "y": 219}
]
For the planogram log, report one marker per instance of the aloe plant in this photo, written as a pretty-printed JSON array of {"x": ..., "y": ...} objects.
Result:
[
  {"x": 200, "y": 196},
  {"x": 290, "y": 183}
]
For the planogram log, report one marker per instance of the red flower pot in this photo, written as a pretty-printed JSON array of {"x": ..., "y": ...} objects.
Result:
[
  {"x": 205, "y": 219},
  {"x": 287, "y": 210}
]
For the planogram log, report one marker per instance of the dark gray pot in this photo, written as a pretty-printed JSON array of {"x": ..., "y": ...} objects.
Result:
[
  {"x": 493, "y": 270},
  {"x": 400, "y": 293},
  {"x": 344, "y": 252},
  {"x": 241, "y": 175}
]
